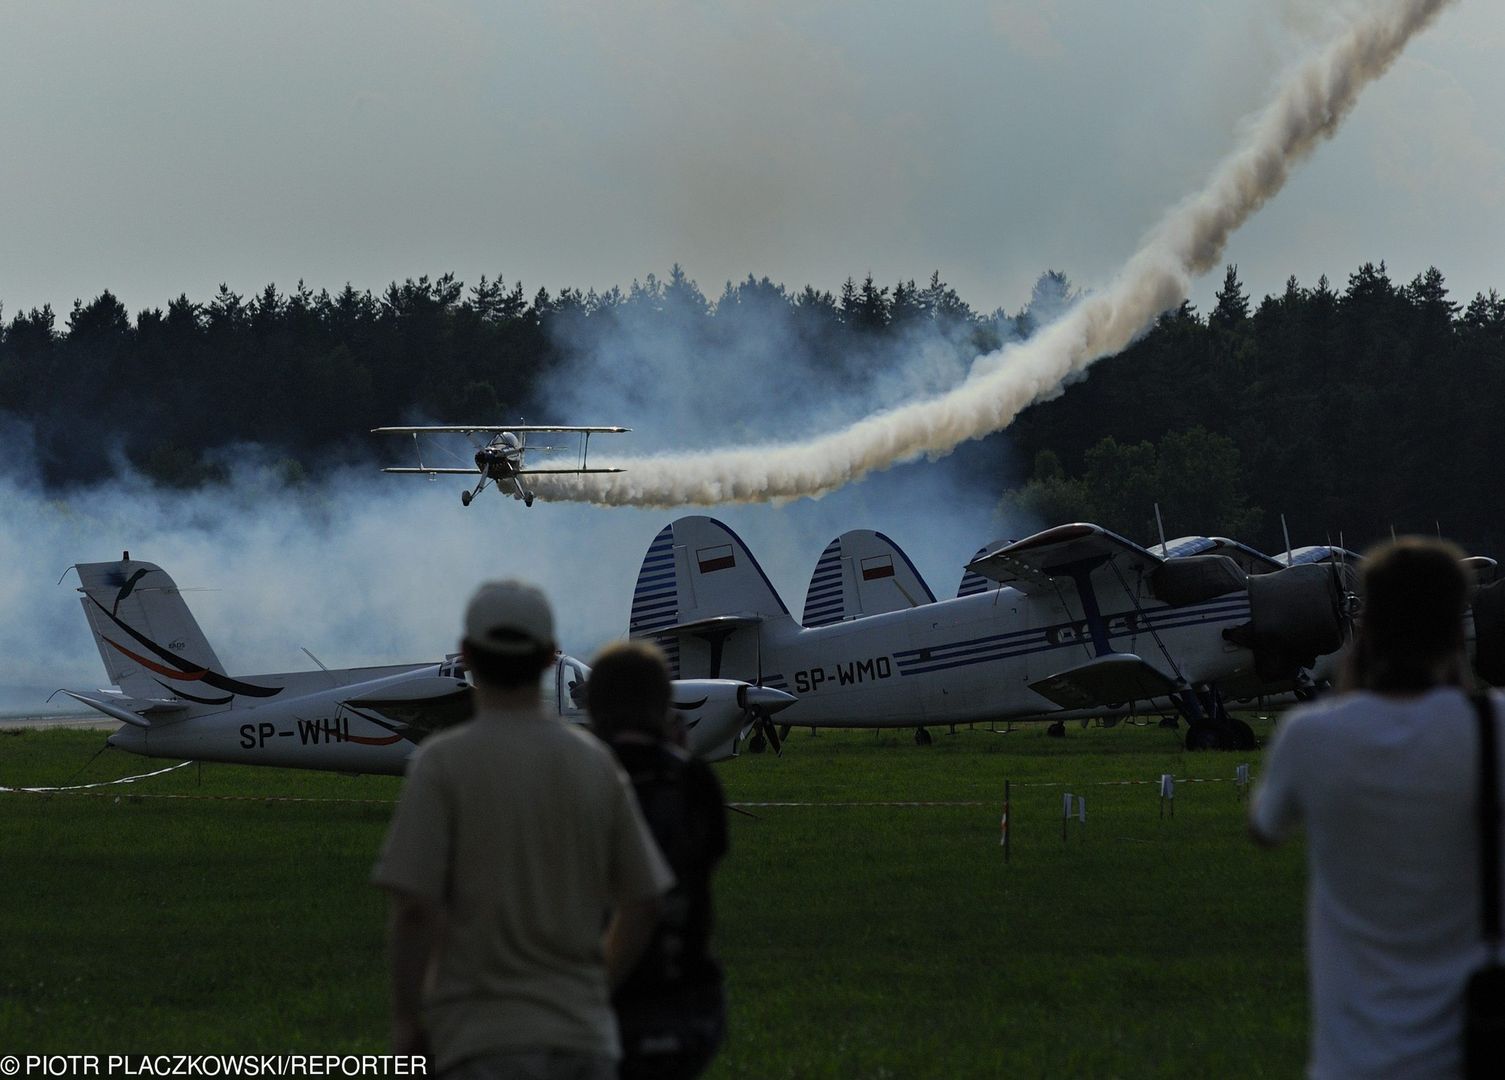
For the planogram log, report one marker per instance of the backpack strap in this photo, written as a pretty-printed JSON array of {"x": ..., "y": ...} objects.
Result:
[{"x": 1489, "y": 820}]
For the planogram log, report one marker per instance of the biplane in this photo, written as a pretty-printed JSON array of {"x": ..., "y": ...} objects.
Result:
[{"x": 501, "y": 458}]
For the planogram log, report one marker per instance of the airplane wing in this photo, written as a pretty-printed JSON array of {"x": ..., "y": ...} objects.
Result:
[
  {"x": 1249, "y": 560},
  {"x": 492, "y": 429},
  {"x": 1183, "y": 546},
  {"x": 1048, "y": 560},
  {"x": 417, "y": 708},
  {"x": 128, "y": 710},
  {"x": 714, "y": 626},
  {"x": 557, "y": 472},
  {"x": 1114, "y": 679},
  {"x": 431, "y": 471}
]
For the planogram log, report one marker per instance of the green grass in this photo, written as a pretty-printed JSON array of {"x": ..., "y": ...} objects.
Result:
[{"x": 859, "y": 941}]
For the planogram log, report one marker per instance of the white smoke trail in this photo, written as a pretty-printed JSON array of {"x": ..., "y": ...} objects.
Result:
[{"x": 1308, "y": 106}]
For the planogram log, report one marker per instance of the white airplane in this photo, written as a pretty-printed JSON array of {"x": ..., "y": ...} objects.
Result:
[
  {"x": 501, "y": 459},
  {"x": 173, "y": 699},
  {"x": 1071, "y": 622}
]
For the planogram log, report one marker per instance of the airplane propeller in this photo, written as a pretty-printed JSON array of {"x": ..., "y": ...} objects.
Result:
[{"x": 758, "y": 704}]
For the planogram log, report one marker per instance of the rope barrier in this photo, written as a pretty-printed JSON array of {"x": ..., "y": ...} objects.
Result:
[{"x": 98, "y": 784}]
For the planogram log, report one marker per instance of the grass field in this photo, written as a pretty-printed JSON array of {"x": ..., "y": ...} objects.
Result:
[{"x": 222, "y": 909}]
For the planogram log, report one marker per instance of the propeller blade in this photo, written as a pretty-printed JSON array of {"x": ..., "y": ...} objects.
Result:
[{"x": 771, "y": 733}]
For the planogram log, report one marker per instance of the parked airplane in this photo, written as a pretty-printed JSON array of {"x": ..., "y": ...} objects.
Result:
[
  {"x": 1078, "y": 620},
  {"x": 501, "y": 459},
  {"x": 173, "y": 699}
]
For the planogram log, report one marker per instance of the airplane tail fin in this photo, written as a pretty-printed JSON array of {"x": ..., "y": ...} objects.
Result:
[
  {"x": 697, "y": 586},
  {"x": 860, "y": 573},
  {"x": 151, "y": 645}
]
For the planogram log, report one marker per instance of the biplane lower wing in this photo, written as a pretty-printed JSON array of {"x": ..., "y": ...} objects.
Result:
[
  {"x": 431, "y": 471},
  {"x": 1108, "y": 680},
  {"x": 562, "y": 472}
]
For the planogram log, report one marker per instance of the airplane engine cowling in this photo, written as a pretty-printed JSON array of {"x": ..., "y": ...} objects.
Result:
[
  {"x": 1295, "y": 616},
  {"x": 1489, "y": 632}
]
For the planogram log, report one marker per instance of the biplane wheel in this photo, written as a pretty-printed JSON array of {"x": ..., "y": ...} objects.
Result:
[
  {"x": 464, "y": 498},
  {"x": 527, "y": 498},
  {"x": 922, "y": 737}
]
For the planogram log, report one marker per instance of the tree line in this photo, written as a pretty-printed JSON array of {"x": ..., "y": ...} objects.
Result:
[
  {"x": 1347, "y": 411},
  {"x": 1350, "y": 413}
]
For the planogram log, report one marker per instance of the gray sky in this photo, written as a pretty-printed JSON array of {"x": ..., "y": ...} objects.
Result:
[{"x": 162, "y": 147}]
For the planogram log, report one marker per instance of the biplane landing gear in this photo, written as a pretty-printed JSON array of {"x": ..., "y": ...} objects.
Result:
[
  {"x": 465, "y": 498},
  {"x": 527, "y": 498},
  {"x": 922, "y": 737},
  {"x": 1209, "y": 726}
]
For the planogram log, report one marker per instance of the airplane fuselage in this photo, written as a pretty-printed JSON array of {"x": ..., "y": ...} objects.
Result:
[
  {"x": 363, "y": 727},
  {"x": 973, "y": 658}
]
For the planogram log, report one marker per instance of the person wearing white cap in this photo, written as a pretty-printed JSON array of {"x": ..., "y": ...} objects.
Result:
[{"x": 514, "y": 835}]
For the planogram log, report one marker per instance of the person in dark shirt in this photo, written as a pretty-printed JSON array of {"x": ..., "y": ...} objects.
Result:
[{"x": 670, "y": 1008}]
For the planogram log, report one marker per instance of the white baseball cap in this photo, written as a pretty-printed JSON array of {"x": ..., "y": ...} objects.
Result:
[{"x": 510, "y": 617}]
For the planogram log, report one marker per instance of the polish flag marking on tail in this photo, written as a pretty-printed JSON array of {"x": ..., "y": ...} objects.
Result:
[{"x": 716, "y": 558}]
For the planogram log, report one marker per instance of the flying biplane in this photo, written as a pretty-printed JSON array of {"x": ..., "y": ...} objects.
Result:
[{"x": 500, "y": 459}]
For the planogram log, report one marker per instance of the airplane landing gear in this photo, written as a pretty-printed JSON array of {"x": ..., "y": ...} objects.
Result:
[
  {"x": 527, "y": 498},
  {"x": 922, "y": 737},
  {"x": 1210, "y": 727},
  {"x": 757, "y": 744},
  {"x": 1056, "y": 730},
  {"x": 465, "y": 498}
]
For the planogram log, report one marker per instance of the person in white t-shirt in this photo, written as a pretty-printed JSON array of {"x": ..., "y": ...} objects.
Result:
[
  {"x": 515, "y": 837},
  {"x": 1384, "y": 779}
]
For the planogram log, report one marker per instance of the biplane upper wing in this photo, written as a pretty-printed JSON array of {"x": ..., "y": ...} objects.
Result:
[
  {"x": 493, "y": 429},
  {"x": 1248, "y": 559},
  {"x": 1044, "y": 562}
]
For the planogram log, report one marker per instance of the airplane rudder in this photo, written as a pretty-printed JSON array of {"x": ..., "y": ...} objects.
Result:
[
  {"x": 655, "y": 597},
  {"x": 140, "y": 621},
  {"x": 825, "y": 598}
]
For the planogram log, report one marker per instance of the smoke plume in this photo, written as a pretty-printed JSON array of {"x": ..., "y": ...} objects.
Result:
[{"x": 1308, "y": 106}]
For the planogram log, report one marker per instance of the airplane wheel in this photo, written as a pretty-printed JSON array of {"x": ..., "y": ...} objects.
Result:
[
  {"x": 1203, "y": 737},
  {"x": 464, "y": 498},
  {"x": 757, "y": 744},
  {"x": 1170, "y": 722},
  {"x": 1243, "y": 736},
  {"x": 528, "y": 498},
  {"x": 1056, "y": 730},
  {"x": 922, "y": 737}
]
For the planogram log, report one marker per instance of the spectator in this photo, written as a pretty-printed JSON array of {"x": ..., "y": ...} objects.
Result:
[
  {"x": 671, "y": 1008},
  {"x": 1384, "y": 779},
  {"x": 514, "y": 836}
]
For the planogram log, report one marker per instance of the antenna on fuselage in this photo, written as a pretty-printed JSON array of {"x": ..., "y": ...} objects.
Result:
[
  {"x": 1287, "y": 533},
  {"x": 1165, "y": 552}
]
